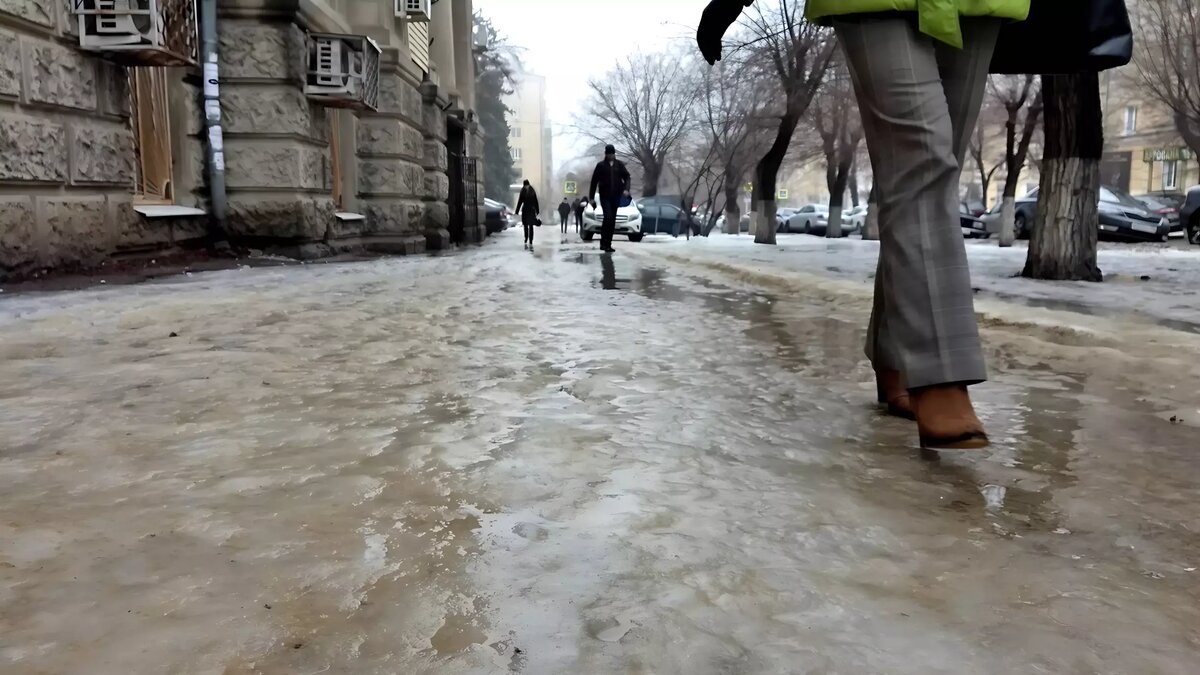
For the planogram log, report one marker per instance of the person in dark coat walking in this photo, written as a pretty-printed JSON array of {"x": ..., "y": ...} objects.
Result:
[
  {"x": 611, "y": 179},
  {"x": 528, "y": 208},
  {"x": 564, "y": 210},
  {"x": 580, "y": 205}
]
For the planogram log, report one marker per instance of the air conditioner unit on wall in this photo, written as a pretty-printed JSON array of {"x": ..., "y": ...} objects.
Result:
[
  {"x": 139, "y": 32},
  {"x": 414, "y": 10},
  {"x": 342, "y": 71}
]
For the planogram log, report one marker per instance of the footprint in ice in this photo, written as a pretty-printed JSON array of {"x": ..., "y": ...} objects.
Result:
[{"x": 531, "y": 532}]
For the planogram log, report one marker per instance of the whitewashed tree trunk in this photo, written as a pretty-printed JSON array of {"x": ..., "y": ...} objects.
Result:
[
  {"x": 733, "y": 219},
  {"x": 762, "y": 222},
  {"x": 834, "y": 229},
  {"x": 1008, "y": 231},
  {"x": 871, "y": 228}
]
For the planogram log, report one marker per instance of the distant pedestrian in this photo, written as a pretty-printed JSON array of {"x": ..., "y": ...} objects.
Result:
[
  {"x": 528, "y": 208},
  {"x": 564, "y": 210},
  {"x": 611, "y": 179},
  {"x": 580, "y": 205}
]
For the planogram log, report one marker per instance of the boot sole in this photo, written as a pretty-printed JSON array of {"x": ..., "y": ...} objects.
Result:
[{"x": 968, "y": 441}]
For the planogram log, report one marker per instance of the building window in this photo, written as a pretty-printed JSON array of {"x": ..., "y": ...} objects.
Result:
[
  {"x": 516, "y": 132},
  {"x": 151, "y": 135},
  {"x": 516, "y": 154},
  {"x": 1130, "y": 119},
  {"x": 1170, "y": 174}
]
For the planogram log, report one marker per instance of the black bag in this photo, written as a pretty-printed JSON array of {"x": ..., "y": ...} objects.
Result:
[{"x": 1061, "y": 37}]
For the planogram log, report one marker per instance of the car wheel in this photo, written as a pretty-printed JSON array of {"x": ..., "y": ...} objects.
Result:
[
  {"x": 1193, "y": 234},
  {"x": 587, "y": 236},
  {"x": 807, "y": 228},
  {"x": 635, "y": 238},
  {"x": 1019, "y": 226}
]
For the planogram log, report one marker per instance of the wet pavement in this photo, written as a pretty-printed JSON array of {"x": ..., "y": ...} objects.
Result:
[{"x": 556, "y": 462}]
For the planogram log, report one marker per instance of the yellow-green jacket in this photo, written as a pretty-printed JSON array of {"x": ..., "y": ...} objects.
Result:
[{"x": 938, "y": 18}]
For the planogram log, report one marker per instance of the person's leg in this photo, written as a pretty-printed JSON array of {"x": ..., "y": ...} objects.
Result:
[
  {"x": 926, "y": 323},
  {"x": 608, "y": 225}
]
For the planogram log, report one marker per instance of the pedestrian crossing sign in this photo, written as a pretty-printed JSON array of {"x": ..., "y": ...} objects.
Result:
[
  {"x": 570, "y": 187},
  {"x": 781, "y": 194}
]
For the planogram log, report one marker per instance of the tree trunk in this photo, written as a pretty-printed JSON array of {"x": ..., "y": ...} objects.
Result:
[
  {"x": 1063, "y": 241},
  {"x": 854, "y": 185},
  {"x": 651, "y": 173},
  {"x": 766, "y": 177},
  {"x": 837, "y": 199},
  {"x": 871, "y": 227},
  {"x": 1007, "y": 228},
  {"x": 733, "y": 214}
]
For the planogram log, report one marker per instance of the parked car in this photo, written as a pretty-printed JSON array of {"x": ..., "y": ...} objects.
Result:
[
  {"x": 972, "y": 226},
  {"x": 973, "y": 207},
  {"x": 629, "y": 222},
  {"x": 495, "y": 216},
  {"x": 744, "y": 223},
  {"x": 1024, "y": 212},
  {"x": 781, "y": 217},
  {"x": 809, "y": 219},
  {"x": 854, "y": 219},
  {"x": 662, "y": 214},
  {"x": 1166, "y": 204},
  {"x": 1122, "y": 218}
]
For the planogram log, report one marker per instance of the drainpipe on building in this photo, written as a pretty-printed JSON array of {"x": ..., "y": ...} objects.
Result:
[{"x": 217, "y": 233}]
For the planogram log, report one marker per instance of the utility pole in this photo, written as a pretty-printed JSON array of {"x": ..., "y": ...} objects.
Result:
[{"x": 218, "y": 234}]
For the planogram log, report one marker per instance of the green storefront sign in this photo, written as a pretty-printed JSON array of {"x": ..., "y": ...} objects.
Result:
[{"x": 1167, "y": 154}]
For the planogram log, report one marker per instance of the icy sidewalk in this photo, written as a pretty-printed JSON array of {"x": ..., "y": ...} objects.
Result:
[{"x": 1145, "y": 283}]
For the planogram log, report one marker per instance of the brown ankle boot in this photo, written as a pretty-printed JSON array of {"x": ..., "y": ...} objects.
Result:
[
  {"x": 890, "y": 386},
  {"x": 946, "y": 419}
]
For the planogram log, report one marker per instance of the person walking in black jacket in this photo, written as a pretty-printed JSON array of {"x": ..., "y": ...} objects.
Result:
[
  {"x": 579, "y": 206},
  {"x": 528, "y": 208},
  {"x": 611, "y": 178},
  {"x": 564, "y": 210}
]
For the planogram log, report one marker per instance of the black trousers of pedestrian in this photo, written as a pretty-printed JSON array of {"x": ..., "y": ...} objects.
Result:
[
  {"x": 529, "y": 232},
  {"x": 563, "y": 223},
  {"x": 608, "y": 225},
  {"x": 578, "y": 221}
]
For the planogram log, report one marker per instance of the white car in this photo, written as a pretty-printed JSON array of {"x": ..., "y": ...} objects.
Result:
[
  {"x": 809, "y": 219},
  {"x": 855, "y": 218},
  {"x": 629, "y": 222}
]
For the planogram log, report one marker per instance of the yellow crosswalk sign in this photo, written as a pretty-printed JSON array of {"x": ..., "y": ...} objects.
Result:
[{"x": 570, "y": 187}]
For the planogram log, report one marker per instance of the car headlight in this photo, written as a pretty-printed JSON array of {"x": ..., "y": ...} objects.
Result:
[{"x": 636, "y": 216}]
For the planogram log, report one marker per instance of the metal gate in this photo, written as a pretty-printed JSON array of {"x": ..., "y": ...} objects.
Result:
[{"x": 471, "y": 186}]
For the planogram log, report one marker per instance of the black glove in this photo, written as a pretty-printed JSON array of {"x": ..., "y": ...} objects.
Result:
[{"x": 717, "y": 18}]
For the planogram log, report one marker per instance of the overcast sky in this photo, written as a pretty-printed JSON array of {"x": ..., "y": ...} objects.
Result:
[{"x": 568, "y": 41}]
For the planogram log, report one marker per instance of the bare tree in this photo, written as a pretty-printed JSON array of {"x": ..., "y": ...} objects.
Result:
[
  {"x": 1020, "y": 96},
  {"x": 734, "y": 102},
  {"x": 644, "y": 105},
  {"x": 797, "y": 54},
  {"x": 991, "y": 119},
  {"x": 837, "y": 122},
  {"x": 1063, "y": 241},
  {"x": 1167, "y": 60},
  {"x": 871, "y": 226}
]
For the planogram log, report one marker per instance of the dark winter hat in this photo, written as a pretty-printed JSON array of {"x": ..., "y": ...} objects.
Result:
[{"x": 610, "y": 149}]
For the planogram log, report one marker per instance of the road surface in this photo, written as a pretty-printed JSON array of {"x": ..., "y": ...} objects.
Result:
[{"x": 555, "y": 462}]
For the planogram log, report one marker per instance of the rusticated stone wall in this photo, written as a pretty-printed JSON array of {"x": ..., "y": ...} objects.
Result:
[
  {"x": 67, "y": 157},
  {"x": 278, "y": 175},
  {"x": 390, "y": 147}
]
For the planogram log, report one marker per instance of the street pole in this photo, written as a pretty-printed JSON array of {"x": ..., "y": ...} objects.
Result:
[{"x": 212, "y": 122}]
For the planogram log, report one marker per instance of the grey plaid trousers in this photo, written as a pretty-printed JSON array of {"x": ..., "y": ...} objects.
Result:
[{"x": 919, "y": 100}]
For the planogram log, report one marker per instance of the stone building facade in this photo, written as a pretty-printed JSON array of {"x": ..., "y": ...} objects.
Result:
[{"x": 99, "y": 159}]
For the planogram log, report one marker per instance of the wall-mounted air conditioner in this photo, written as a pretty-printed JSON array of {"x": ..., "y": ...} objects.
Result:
[
  {"x": 139, "y": 32},
  {"x": 414, "y": 10},
  {"x": 342, "y": 71}
]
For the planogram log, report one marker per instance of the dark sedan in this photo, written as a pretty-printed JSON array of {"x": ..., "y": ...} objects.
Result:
[
  {"x": 495, "y": 216},
  {"x": 1165, "y": 204},
  {"x": 661, "y": 214},
  {"x": 1122, "y": 218}
]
